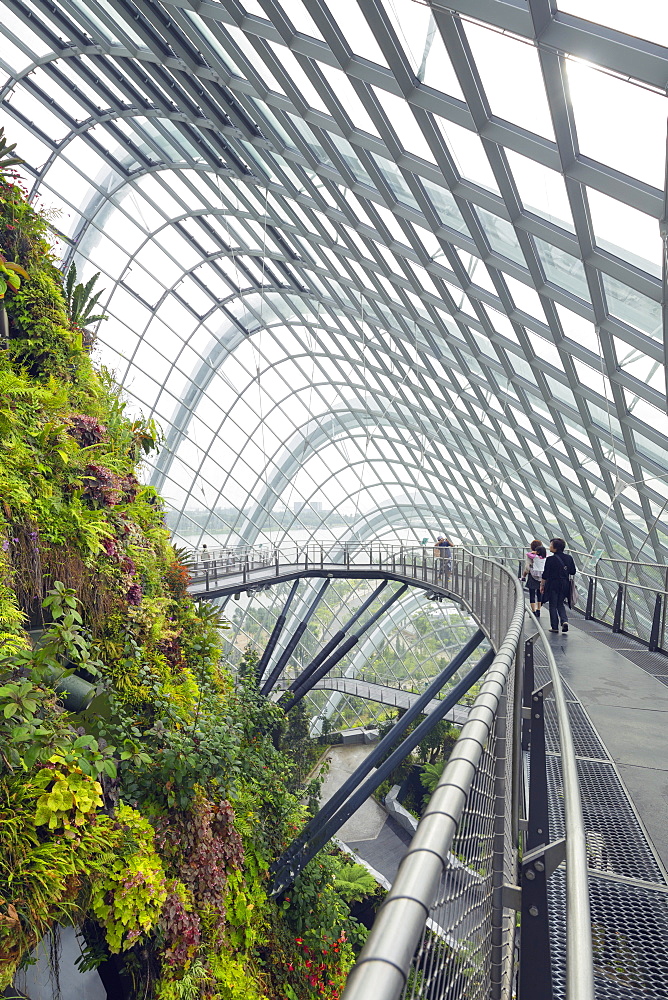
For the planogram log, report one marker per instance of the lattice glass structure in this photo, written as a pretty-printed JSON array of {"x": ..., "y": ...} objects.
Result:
[{"x": 401, "y": 261}]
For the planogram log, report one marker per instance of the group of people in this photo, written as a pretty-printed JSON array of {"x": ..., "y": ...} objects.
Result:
[{"x": 549, "y": 577}]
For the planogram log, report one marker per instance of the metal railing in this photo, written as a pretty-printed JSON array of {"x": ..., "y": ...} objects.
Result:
[
  {"x": 447, "y": 929},
  {"x": 628, "y": 596}
]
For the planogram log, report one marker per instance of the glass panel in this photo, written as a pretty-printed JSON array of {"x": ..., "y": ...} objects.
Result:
[
  {"x": 402, "y": 120},
  {"x": 578, "y": 329},
  {"x": 356, "y": 29},
  {"x": 634, "y": 141},
  {"x": 642, "y": 18},
  {"x": 633, "y": 307},
  {"x": 625, "y": 232},
  {"x": 542, "y": 190},
  {"x": 525, "y": 297},
  {"x": 501, "y": 236},
  {"x": 511, "y": 75},
  {"x": 562, "y": 269},
  {"x": 347, "y": 97},
  {"x": 445, "y": 206},
  {"x": 468, "y": 153},
  {"x": 396, "y": 181}
]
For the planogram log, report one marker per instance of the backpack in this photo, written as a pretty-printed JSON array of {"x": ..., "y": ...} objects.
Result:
[{"x": 537, "y": 566}]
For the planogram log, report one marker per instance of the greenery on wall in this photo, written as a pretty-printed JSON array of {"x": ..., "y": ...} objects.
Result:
[{"x": 147, "y": 811}]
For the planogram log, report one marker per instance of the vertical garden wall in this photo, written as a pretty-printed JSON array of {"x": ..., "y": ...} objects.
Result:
[{"x": 144, "y": 790}]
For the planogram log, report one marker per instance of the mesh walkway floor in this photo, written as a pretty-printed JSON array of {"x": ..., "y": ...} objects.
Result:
[{"x": 628, "y": 883}]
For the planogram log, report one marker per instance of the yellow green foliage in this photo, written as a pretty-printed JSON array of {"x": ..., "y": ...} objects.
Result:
[
  {"x": 128, "y": 898},
  {"x": 42, "y": 879},
  {"x": 235, "y": 978},
  {"x": 68, "y": 796}
]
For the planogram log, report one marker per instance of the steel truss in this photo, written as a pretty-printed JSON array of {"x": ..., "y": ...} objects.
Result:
[{"x": 298, "y": 247}]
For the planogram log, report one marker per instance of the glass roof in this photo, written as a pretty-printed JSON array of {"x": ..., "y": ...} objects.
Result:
[{"x": 379, "y": 268}]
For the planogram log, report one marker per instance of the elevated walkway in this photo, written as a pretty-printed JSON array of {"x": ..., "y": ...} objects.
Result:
[
  {"x": 381, "y": 693},
  {"x": 220, "y": 583},
  {"x": 628, "y": 708},
  {"x": 568, "y": 757},
  {"x": 613, "y": 706}
]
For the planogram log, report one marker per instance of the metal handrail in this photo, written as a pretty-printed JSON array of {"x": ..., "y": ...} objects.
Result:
[
  {"x": 625, "y": 583},
  {"x": 579, "y": 946},
  {"x": 383, "y": 965},
  {"x": 382, "y": 968}
]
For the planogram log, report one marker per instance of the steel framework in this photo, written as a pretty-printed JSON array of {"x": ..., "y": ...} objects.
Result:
[{"x": 422, "y": 243}]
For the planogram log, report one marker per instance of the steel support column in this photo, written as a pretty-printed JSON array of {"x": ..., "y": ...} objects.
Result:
[
  {"x": 294, "y": 640},
  {"x": 345, "y": 647},
  {"x": 331, "y": 645},
  {"x": 350, "y": 796},
  {"x": 276, "y": 631}
]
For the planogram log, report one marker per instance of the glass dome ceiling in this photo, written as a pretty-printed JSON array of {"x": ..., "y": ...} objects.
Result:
[{"x": 393, "y": 259}]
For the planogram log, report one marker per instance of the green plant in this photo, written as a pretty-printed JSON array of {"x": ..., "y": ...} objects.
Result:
[
  {"x": 128, "y": 899},
  {"x": 430, "y": 775},
  {"x": 233, "y": 980},
  {"x": 189, "y": 987},
  {"x": 10, "y": 280},
  {"x": 79, "y": 300},
  {"x": 353, "y": 882},
  {"x": 68, "y": 796},
  {"x": 10, "y": 276},
  {"x": 6, "y": 151}
]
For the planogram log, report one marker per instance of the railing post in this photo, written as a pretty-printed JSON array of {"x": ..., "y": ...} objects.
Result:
[
  {"x": 656, "y": 625},
  {"x": 424, "y": 565},
  {"x": 535, "y": 979},
  {"x": 245, "y": 573},
  {"x": 520, "y": 569},
  {"x": 207, "y": 579},
  {"x": 617, "y": 620},
  {"x": 322, "y": 557},
  {"x": 590, "y": 600},
  {"x": 527, "y": 690},
  {"x": 276, "y": 562}
]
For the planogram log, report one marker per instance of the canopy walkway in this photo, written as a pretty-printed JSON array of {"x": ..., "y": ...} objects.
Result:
[{"x": 530, "y": 839}]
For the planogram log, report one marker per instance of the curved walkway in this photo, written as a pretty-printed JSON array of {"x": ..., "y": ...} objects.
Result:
[
  {"x": 619, "y": 719},
  {"x": 223, "y": 584},
  {"x": 383, "y": 694}
]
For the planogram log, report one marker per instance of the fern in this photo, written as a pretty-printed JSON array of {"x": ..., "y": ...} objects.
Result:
[
  {"x": 354, "y": 883},
  {"x": 80, "y": 301}
]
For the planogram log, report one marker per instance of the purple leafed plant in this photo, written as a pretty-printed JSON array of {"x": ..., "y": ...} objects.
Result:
[{"x": 86, "y": 431}]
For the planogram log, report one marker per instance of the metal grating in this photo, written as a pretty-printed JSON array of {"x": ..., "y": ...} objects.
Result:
[
  {"x": 653, "y": 663},
  {"x": 616, "y": 842},
  {"x": 542, "y": 676},
  {"x": 585, "y": 738},
  {"x": 630, "y": 941}
]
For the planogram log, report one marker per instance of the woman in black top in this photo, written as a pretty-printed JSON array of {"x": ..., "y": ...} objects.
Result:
[{"x": 556, "y": 583}]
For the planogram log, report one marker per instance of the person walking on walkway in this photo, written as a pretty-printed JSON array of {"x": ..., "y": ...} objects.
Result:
[
  {"x": 533, "y": 573},
  {"x": 556, "y": 583},
  {"x": 443, "y": 551}
]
